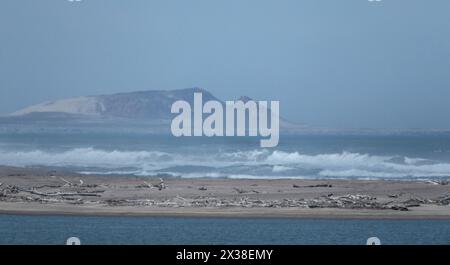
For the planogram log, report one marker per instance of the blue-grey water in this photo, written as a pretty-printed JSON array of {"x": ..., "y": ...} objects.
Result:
[
  {"x": 403, "y": 157},
  {"x": 384, "y": 156},
  {"x": 19, "y": 229}
]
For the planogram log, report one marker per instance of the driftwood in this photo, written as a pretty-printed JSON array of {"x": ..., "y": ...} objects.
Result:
[
  {"x": 444, "y": 200},
  {"x": 68, "y": 183},
  {"x": 16, "y": 193},
  {"x": 61, "y": 193},
  {"x": 148, "y": 185},
  {"x": 438, "y": 182},
  {"x": 47, "y": 186},
  {"x": 179, "y": 197},
  {"x": 399, "y": 208},
  {"x": 349, "y": 201},
  {"x": 241, "y": 191},
  {"x": 74, "y": 193},
  {"x": 71, "y": 184},
  {"x": 159, "y": 186},
  {"x": 313, "y": 186}
]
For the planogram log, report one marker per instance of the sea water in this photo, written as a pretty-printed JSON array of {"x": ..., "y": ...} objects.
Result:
[{"x": 405, "y": 157}]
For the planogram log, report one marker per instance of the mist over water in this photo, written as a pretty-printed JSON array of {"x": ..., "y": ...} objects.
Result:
[{"x": 362, "y": 157}]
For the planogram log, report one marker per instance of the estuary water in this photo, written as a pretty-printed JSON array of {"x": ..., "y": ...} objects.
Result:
[{"x": 22, "y": 229}]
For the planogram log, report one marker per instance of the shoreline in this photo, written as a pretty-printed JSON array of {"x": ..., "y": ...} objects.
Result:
[
  {"x": 336, "y": 214},
  {"x": 31, "y": 191}
]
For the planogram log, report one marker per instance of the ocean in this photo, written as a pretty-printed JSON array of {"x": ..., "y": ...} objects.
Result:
[{"x": 401, "y": 157}]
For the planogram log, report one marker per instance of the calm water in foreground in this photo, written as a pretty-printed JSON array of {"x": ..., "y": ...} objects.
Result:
[{"x": 15, "y": 229}]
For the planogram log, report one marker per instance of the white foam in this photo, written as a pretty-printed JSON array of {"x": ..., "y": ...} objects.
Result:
[
  {"x": 252, "y": 164},
  {"x": 361, "y": 165},
  {"x": 278, "y": 168},
  {"x": 85, "y": 157}
]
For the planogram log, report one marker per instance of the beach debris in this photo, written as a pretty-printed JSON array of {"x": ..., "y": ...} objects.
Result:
[
  {"x": 445, "y": 200},
  {"x": 399, "y": 208},
  {"x": 145, "y": 185},
  {"x": 74, "y": 195},
  {"x": 148, "y": 185},
  {"x": 159, "y": 186},
  {"x": 320, "y": 186},
  {"x": 410, "y": 205},
  {"x": 76, "y": 191},
  {"x": 413, "y": 202},
  {"x": 12, "y": 189},
  {"x": 48, "y": 193},
  {"x": 47, "y": 186},
  {"x": 71, "y": 184},
  {"x": 356, "y": 201},
  {"x": 17, "y": 175},
  {"x": 242, "y": 191},
  {"x": 347, "y": 201},
  {"x": 95, "y": 193},
  {"x": 68, "y": 183},
  {"x": 114, "y": 202},
  {"x": 438, "y": 182},
  {"x": 179, "y": 197},
  {"x": 313, "y": 186}
]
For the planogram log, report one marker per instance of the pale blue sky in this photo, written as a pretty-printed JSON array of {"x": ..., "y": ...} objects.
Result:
[{"x": 348, "y": 63}]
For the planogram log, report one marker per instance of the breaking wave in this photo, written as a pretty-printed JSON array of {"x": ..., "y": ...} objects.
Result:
[
  {"x": 87, "y": 157},
  {"x": 237, "y": 164}
]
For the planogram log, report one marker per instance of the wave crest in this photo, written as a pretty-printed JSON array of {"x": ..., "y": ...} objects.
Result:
[{"x": 256, "y": 163}]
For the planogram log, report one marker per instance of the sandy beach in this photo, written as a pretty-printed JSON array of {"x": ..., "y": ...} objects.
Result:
[{"x": 45, "y": 191}]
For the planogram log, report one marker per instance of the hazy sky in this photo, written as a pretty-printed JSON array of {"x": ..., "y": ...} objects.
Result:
[{"x": 347, "y": 63}]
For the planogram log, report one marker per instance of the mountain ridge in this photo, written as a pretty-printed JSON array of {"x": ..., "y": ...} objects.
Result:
[
  {"x": 148, "y": 104},
  {"x": 149, "y": 109}
]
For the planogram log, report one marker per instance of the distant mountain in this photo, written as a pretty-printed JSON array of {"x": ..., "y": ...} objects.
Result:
[
  {"x": 147, "y": 111},
  {"x": 152, "y": 104}
]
